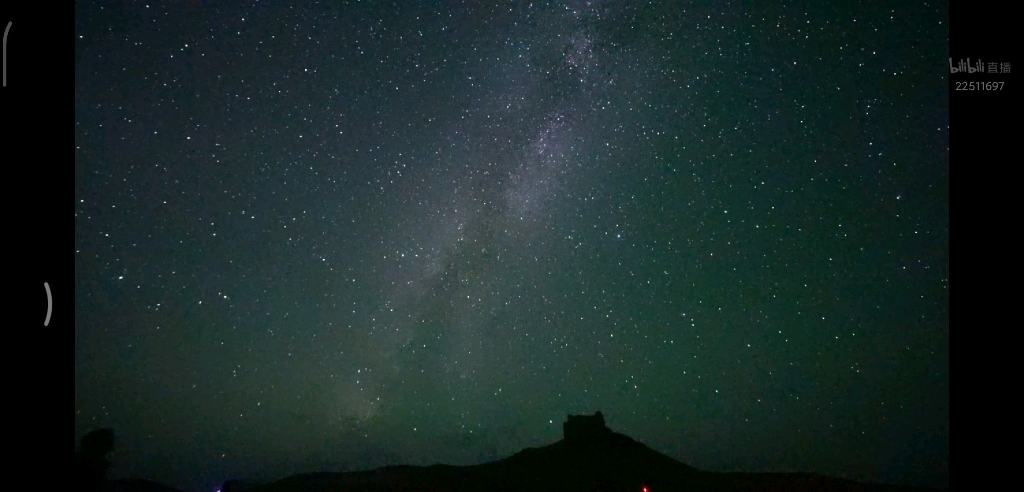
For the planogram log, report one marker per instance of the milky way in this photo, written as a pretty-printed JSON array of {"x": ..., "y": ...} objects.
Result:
[{"x": 461, "y": 254}]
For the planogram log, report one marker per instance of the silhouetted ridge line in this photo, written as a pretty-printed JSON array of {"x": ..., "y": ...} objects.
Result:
[
  {"x": 585, "y": 428},
  {"x": 590, "y": 457}
]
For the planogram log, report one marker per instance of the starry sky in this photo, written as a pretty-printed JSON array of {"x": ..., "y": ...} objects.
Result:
[{"x": 339, "y": 235}]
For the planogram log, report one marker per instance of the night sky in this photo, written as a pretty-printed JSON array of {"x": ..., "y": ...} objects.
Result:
[{"x": 342, "y": 235}]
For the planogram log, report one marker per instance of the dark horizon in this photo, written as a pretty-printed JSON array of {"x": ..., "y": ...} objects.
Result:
[
  {"x": 589, "y": 456},
  {"x": 342, "y": 236}
]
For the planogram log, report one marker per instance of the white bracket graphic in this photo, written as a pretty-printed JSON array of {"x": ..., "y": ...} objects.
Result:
[
  {"x": 49, "y": 304},
  {"x": 5, "y": 50}
]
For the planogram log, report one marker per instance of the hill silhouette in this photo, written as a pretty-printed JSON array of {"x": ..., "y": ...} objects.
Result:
[
  {"x": 92, "y": 463},
  {"x": 590, "y": 457}
]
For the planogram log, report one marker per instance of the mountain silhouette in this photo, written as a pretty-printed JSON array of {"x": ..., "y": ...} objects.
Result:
[
  {"x": 590, "y": 457},
  {"x": 92, "y": 462}
]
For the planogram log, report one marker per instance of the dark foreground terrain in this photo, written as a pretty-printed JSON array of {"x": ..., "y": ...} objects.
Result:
[
  {"x": 610, "y": 463},
  {"x": 589, "y": 458}
]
